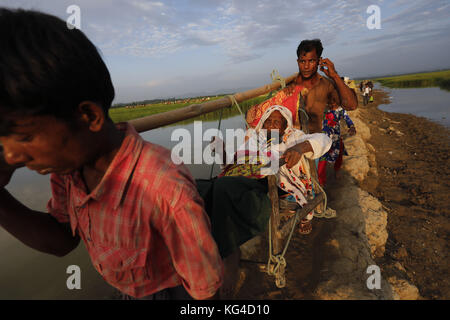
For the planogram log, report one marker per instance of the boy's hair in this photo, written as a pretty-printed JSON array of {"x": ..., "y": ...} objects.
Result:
[
  {"x": 47, "y": 68},
  {"x": 309, "y": 45}
]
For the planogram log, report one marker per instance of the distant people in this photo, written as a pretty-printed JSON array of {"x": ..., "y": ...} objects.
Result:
[
  {"x": 366, "y": 94},
  {"x": 332, "y": 127},
  {"x": 370, "y": 84},
  {"x": 139, "y": 215}
]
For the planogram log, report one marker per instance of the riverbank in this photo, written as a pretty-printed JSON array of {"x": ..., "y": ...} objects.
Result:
[
  {"x": 418, "y": 80},
  {"x": 412, "y": 182},
  {"x": 393, "y": 212}
]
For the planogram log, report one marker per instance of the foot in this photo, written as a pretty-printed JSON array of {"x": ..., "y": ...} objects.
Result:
[
  {"x": 305, "y": 226},
  {"x": 329, "y": 214}
]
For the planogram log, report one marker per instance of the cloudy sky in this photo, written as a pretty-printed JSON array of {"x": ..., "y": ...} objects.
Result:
[{"x": 157, "y": 49}]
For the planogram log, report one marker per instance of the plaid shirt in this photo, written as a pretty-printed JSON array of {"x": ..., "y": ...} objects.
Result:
[{"x": 144, "y": 225}]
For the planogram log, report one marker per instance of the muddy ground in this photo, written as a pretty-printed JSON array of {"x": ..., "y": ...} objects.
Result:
[{"x": 412, "y": 183}]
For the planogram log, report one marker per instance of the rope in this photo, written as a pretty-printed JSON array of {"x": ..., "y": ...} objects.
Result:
[
  {"x": 218, "y": 129},
  {"x": 324, "y": 194},
  {"x": 277, "y": 78},
  {"x": 234, "y": 102},
  {"x": 304, "y": 111},
  {"x": 279, "y": 259}
]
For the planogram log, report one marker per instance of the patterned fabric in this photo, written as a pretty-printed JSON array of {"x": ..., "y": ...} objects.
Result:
[
  {"x": 316, "y": 97},
  {"x": 246, "y": 165},
  {"x": 283, "y": 98},
  {"x": 144, "y": 225},
  {"x": 332, "y": 127}
]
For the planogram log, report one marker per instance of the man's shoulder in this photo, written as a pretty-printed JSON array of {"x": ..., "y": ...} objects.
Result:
[
  {"x": 156, "y": 166},
  {"x": 325, "y": 81},
  {"x": 158, "y": 159}
]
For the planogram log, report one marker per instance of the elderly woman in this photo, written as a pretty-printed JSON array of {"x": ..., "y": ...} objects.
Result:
[
  {"x": 237, "y": 200},
  {"x": 293, "y": 146}
]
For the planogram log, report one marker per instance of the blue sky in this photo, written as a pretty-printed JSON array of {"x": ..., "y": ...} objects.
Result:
[{"x": 157, "y": 49}]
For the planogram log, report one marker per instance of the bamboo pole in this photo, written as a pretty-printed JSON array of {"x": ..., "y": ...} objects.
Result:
[
  {"x": 194, "y": 110},
  {"x": 275, "y": 214}
]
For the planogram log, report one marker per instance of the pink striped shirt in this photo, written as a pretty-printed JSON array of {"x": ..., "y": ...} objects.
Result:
[{"x": 144, "y": 225}]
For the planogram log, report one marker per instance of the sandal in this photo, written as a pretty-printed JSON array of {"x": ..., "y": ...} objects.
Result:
[
  {"x": 305, "y": 226},
  {"x": 329, "y": 214}
]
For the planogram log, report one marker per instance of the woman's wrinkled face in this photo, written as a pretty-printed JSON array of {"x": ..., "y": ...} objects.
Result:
[{"x": 275, "y": 121}]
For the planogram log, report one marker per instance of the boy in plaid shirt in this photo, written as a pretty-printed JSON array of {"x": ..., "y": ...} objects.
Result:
[{"x": 139, "y": 215}]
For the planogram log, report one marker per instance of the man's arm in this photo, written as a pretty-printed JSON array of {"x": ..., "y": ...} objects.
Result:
[
  {"x": 348, "y": 96},
  {"x": 37, "y": 230}
]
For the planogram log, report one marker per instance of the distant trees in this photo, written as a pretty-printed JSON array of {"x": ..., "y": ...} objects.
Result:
[{"x": 137, "y": 104}]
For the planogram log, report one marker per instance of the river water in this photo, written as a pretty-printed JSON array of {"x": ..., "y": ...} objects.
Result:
[
  {"x": 431, "y": 103},
  {"x": 28, "y": 274}
]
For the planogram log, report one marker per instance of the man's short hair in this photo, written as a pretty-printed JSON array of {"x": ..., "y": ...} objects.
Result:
[
  {"x": 309, "y": 45},
  {"x": 47, "y": 68}
]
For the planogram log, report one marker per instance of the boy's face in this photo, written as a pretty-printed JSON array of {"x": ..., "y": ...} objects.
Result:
[{"x": 45, "y": 144}]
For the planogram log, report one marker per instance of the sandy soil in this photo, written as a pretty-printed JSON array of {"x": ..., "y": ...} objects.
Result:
[
  {"x": 413, "y": 184},
  {"x": 412, "y": 156}
]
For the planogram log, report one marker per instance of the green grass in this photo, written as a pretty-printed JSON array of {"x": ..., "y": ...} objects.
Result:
[
  {"x": 123, "y": 114},
  {"x": 439, "y": 79}
]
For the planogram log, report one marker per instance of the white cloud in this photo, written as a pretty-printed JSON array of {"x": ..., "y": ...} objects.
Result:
[{"x": 248, "y": 30}]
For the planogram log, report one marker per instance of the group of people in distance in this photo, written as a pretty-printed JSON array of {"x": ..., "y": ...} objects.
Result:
[
  {"x": 366, "y": 88},
  {"x": 151, "y": 230}
]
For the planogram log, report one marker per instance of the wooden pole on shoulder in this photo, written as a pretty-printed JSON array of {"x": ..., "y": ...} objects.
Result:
[{"x": 194, "y": 110}]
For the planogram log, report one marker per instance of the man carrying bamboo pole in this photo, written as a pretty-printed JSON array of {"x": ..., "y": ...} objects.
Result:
[
  {"x": 309, "y": 95},
  {"x": 316, "y": 91}
]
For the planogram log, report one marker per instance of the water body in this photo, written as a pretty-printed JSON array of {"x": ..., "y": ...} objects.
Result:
[
  {"x": 431, "y": 103},
  {"x": 28, "y": 274}
]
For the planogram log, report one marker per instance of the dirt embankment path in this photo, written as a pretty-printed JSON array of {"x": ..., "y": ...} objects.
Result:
[
  {"x": 413, "y": 183},
  {"x": 393, "y": 212}
]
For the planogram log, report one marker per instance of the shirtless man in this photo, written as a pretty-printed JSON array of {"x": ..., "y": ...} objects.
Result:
[{"x": 316, "y": 89}]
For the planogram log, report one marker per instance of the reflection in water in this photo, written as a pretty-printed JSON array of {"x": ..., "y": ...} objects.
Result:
[{"x": 28, "y": 274}]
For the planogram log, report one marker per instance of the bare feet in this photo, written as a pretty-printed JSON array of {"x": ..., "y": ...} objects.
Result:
[{"x": 305, "y": 226}]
